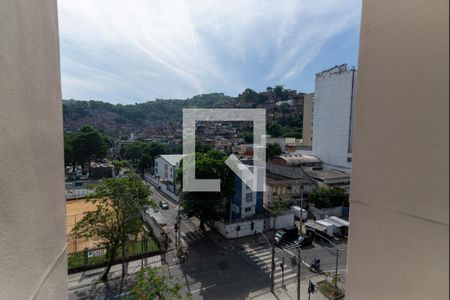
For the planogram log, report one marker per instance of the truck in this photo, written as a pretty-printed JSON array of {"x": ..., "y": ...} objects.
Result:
[{"x": 299, "y": 212}]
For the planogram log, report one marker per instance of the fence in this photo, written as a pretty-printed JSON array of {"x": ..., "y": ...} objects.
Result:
[
  {"x": 95, "y": 258},
  {"x": 77, "y": 194},
  {"x": 74, "y": 243}
]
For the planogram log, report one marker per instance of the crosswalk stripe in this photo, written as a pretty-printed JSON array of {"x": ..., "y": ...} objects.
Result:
[
  {"x": 192, "y": 236},
  {"x": 262, "y": 257},
  {"x": 250, "y": 250},
  {"x": 286, "y": 277}
]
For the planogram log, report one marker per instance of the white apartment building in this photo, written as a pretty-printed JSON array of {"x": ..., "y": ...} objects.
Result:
[
  {"x": 333, "y": 115},
  {"x": 166, "y": 167}
]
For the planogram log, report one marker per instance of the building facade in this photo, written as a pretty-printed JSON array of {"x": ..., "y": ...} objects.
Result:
[
  {"x": 399, "y": 238},
  {"x": 333, "y": 115},
  {"x": 245, "y": 203},
  {"x": 166, "y": 167},
  {"x": 308, "y": 109}
]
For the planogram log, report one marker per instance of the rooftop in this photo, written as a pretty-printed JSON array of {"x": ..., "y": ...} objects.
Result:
[
  {"x": 272, "y": 178},
  {"x": 327, "y": 174},
  {"x": 172, "y": 159},
  {"x": 297, "y": 159},
  {"x": 336, "y": 221}
]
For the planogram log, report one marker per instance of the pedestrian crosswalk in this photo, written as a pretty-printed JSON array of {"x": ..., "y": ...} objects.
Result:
[
  {"x": 192, "y": 237},
  {"x": 261, "y": 258}
]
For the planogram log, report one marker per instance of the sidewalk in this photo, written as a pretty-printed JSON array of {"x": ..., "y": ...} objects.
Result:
[
  {"x": 290, "y": 292},
  {"x": 91, "y": 277}
]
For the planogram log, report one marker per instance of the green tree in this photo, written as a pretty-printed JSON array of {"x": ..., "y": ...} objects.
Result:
[
  {"x": 262, "y": 98},
  {"x": 249, "y": 96},
  {"x": 145, "y": 162},
  {"x": 285, "y": 109},
  {"x": 116, "y": 219},
  {"x": 150, "y": 285},
  {"x": 69, "y": 155},
  {"x": 248, "y": 137},
  {"x": 202, "y": 148},
  {"x": 88, "y": 144},
  {"x": 274, "y": 129},
  {"x": 207, "y": 205},
  {"x": 119, "y": 165},
  {"x": 293, "y": 134},
  {"x": 136, "y": 151},
  {"x": 278, "y": 91},
  {"x": 324, "y": 197},
  {"x": 272, "y": 150}
]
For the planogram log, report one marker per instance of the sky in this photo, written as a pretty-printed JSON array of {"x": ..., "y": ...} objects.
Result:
[{"x": 135, "y": 51}]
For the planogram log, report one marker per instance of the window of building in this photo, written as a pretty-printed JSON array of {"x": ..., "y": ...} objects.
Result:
[
  {"x": 249, "y": 197},
  {"x": 247, "y": 209}
]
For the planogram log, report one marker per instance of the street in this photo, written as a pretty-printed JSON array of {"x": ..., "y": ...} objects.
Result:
[
  {"x": 217, "y": 268},
  {"x": 190, "y": 234},
  {"x": 214, "y": 273}
]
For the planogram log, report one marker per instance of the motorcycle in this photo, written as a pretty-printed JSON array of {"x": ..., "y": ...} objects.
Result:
[{"x": 315, "y": 265}]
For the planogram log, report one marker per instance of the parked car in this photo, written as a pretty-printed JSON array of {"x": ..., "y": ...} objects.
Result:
[
  {"x": 286, "y": 236},
  {"x": 303, "y": 241},
  {"x": 163, "y": 205}
]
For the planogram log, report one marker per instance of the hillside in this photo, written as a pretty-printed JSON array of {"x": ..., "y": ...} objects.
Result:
[{"x": 118, "y": 119}]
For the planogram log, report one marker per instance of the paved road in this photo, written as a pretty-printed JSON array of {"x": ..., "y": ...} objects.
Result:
[
  {"x": 214, "y": 273},
  {"x": 190, "y": 234}
]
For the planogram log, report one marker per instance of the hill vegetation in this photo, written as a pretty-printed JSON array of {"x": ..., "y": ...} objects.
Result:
[{"x": 109, "y": 117}]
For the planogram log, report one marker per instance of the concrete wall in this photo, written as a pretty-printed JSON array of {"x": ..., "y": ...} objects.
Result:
[
  {"x": 321, "y": 213},
  {"x": 334, "y": 92},
  {"x": 260, "y": 225},
  {"x": 32, "y": 202},
  {"x": 163, "y": 187},
  {"x": 398, "y": 244},
  {"x": 308, "y": 103}
]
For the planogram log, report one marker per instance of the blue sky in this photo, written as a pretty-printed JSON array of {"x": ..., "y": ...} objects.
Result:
[{"x": 136, "y": 51}]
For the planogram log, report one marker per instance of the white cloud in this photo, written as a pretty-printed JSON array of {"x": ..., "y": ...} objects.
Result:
[{"x": 127, "y": 51}]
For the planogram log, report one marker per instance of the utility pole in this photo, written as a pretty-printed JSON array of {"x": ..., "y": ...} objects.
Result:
[
  {"x": 337, "y": 261},
  {"x": 299, "y": 263},
  {"x": 282, "y": 274},
  {"x": 178, "y": 233},
  {"x": 311, "y": 289},
  {"x": 272, "y": 274},
  {"x": 301, "y": 210}
]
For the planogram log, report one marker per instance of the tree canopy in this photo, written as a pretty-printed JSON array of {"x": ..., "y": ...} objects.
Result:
[
  {"x": 142, "y": 154},
  {"x": 324, "y": 197},
  {"x": 116, "y": 219},
  {"x": 249, "y": 96},
  {"x": 85, "y": 145},
  {"x": 272, "y": 150},
  {"x": 208, "y": 205},
  {"x": 150, "y": 285}
]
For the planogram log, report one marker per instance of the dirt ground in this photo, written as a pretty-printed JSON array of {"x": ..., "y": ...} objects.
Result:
[{"x": 74, "y": 213}]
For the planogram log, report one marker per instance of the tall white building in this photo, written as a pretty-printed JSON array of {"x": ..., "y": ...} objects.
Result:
[{"x": 334, "y": 117}]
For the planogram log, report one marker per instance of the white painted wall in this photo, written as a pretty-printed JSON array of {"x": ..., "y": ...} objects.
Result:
[
  {"x": 161, "y": 165},
  {"x": 332, "y": 115},
  {"x": 261, "y": 225}
]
